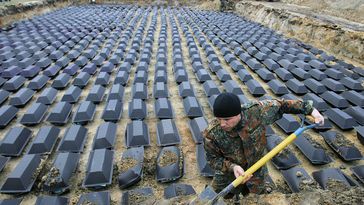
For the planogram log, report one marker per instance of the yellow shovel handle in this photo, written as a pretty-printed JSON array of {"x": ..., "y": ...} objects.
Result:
[{"x": 264, "y": 159}]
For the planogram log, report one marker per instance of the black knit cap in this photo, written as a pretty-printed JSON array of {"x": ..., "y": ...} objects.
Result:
[{"x": 227, "y": 105}]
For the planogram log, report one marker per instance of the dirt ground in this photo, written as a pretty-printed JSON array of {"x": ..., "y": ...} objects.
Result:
[
  {"x": 326, "y": 24},
  {"x": 332, "y": 27},
  {"x": 191, "y": 176},
  {"x": 351, "y": 10},
  {"x": 38, "y": 10}
]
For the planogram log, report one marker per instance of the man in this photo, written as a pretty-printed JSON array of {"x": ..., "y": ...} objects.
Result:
[{"x": 235, "y": 140}]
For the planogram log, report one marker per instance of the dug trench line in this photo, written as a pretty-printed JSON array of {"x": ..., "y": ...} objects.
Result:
[{"x": 336, "y": 36}]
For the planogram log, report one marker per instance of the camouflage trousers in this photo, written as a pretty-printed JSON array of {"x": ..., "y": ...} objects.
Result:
[{"x": 222, "y": 180}]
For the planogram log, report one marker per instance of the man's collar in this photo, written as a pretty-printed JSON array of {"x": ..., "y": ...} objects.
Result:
[{"x": 240, "y": 124}]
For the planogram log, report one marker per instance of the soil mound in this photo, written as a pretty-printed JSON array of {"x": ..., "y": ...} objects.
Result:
[{"x": 168, "y": 158}]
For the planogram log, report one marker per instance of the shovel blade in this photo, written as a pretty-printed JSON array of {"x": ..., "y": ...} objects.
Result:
[{"x": 205, "y": 197}]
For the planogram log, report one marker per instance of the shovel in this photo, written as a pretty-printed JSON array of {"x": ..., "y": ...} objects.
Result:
[{"x": 212, "y": 197}]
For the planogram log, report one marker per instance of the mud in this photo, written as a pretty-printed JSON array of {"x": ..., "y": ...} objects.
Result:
[
  {"x": 78, "y": 191},
  {"x": 149, "y": 166},
  {"x": 282, "y": 187},
  {"x": 126, "y": 164},
  {"x": 42, "y": 163},
  {"x": 54, "y": 172},
  {"x": 336, "y": 185},
  {"x": 317, "y": 196},
  {"x": 167, "y": 159},
  {"x": 53, "y": 177},
  {"x": 181, "y": 162},
  {"x": 138, "y": 198},
  {"x": 312, "y": 141},
  {"x": 341, "y": 141},
  {"x": 308, "y": 185},
  {"x": 40, "y": 173}
]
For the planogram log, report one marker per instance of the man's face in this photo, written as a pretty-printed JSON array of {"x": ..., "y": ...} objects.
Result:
[{"x": 228, "y": 123}]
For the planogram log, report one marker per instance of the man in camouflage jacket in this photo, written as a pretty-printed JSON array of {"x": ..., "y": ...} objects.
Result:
[{"x": 235, "y": 139}]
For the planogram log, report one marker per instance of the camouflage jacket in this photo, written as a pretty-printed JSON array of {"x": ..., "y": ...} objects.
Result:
[{"x": 246, "y": 143}]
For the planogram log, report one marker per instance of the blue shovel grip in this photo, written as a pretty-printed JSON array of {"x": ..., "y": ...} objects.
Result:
[{"x": 302, "y": 129}]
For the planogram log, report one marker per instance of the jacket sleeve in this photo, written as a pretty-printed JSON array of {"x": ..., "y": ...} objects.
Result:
[
  {"x": 214, "y": 156},
  {"x": 273, "y": 110}
]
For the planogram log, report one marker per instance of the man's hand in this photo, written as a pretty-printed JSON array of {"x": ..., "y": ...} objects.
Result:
[
  {"x": 318, "y": 117},
  {"x": 238, "y": 171}
]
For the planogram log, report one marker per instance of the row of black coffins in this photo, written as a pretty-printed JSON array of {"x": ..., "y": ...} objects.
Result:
[
  {"x": 57, "y": 181},
  {"x": 145, "y": 195},
  {"x": 100, "y": 166}
]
